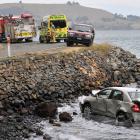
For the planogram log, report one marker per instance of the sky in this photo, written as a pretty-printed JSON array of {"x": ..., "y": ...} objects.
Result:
[{"x": 125, "y": 7}]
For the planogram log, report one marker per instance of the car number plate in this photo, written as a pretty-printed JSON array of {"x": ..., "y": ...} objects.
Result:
[{"x": 79, "y": 38}]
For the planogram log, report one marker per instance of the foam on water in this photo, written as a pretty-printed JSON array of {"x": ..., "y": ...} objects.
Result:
[{"x": 81, "y": 129}]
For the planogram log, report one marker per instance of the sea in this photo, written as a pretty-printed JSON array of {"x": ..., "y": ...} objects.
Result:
[{"x": 127, "y": 39}]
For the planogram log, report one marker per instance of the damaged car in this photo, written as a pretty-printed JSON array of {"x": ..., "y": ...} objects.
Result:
[{"x": 121, "y": 103}]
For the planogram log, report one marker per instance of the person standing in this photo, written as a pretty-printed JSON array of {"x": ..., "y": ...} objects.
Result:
[{"x": 53, "y": 34}]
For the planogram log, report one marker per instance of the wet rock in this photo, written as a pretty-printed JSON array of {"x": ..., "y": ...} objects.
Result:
[
  {"x": 51, "y": 121},
  {"x": 65, "y": 117},
  {"x": 57, "y": 124},
  {"x": 26, "y": 135},
  {"x": 1, "y": 118},
  {"x": 46, "y": 137},
  {"x": 46, "y": 109},
  {"x": 39, "y": 132},
  {"x": 74, "y": 113},
  {"x": 1, "y": 105}
]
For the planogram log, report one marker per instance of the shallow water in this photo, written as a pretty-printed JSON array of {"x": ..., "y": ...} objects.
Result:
[{"x": 101, "y": 128}]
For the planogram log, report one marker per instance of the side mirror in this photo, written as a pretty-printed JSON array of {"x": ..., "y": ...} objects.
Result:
[{"x": 94, "y": 93}]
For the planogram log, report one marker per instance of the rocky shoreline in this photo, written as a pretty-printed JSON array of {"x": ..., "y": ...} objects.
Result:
[{"x": 28, "y": 81}]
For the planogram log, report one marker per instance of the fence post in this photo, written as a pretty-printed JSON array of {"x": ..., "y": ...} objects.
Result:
[{"x": 9, "y": 45}]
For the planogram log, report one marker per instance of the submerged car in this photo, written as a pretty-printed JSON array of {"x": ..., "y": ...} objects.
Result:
[
  {"x": 121, "y": 103},
  {"x": 81, "y": 34}
]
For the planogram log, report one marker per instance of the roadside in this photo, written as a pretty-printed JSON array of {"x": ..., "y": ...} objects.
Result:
[{"x": 23, "y": 48}]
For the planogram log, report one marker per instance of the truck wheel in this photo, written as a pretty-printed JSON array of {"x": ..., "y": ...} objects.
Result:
[
  {"x": 47, "y": 40},
  {"x": 41, "y": 40},
  {"x": 69, "y": 43},
  {"x": 28, "y": 40}
]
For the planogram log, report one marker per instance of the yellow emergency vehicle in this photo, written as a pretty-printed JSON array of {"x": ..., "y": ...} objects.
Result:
[{"x": 53, "y": 28}]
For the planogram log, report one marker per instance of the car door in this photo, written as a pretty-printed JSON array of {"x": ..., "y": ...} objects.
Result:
[
  {"x": 100, "y": 103},
  {"x": 114, "y": 102}
]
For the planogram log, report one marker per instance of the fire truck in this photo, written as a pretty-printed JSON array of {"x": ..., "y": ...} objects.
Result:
[{"x": 17, "y": 27}]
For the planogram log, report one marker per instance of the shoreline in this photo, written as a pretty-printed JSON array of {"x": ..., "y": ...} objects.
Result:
[{"x": 28, "y": 81}]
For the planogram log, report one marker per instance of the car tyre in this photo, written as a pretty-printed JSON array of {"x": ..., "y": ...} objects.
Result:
[
  {"x": 122, "y": 119},
  {"x": 87, "y": 112},
  {"x": 69, "y": 43},
  {"x": 41, "y": 40},
  {"x": 89, "y": 44},
  {"x": 28, "y": 40}
]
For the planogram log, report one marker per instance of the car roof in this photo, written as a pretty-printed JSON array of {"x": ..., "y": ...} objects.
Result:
[{"x": 126, "y": 89}]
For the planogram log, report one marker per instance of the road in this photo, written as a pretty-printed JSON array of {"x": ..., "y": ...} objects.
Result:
[{"x": 32, "y": 47}]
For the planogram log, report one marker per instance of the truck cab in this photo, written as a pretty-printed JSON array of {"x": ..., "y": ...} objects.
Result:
[{"x": 60, "y": 24}]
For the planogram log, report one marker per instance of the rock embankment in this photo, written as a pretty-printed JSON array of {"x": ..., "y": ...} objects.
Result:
[{"x": 28, "y": 81}]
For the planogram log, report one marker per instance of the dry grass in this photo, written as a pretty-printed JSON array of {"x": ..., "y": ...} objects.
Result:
[{"x": 102, "y": 49}]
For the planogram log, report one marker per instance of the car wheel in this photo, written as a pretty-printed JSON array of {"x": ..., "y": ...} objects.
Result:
[
  {"x": 87, "y": 112},
  {"x": 41, "y": 40},
  {"x": 69, "y": 43},
  {"x": 28, "y": 40},
  {"x": 122, "y": 119},
  {"x": 89, "y": 44},
  {"x": 47, "y": 40}
]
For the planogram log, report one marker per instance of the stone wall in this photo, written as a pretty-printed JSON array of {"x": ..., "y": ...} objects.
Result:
[{"x": 60, "y": 77}]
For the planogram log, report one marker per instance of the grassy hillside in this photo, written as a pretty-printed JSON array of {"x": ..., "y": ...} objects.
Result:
[{"x": 101, "y": 19}]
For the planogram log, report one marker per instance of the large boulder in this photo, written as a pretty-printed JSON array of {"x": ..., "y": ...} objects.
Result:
[
  {"x": 47, "y": 109},
  {"x": 65, "y": 117}
]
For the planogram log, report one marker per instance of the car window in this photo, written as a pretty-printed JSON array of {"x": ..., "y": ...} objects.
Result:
[
  {"x": 104, "y": 93},
  {"x": 116, "y": 95},
  {"x": 82, "y": 28}
]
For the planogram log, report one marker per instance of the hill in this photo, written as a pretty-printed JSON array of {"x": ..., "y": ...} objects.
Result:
[{"x": 101, "y": 19}]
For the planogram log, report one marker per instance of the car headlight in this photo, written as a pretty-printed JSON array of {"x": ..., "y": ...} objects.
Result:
[
  {"x": 88, "y": 36},
  {"x": 71, "y": 34}
]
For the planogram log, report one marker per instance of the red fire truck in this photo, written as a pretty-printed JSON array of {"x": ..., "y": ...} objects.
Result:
[{"x": 18, "y": 27}]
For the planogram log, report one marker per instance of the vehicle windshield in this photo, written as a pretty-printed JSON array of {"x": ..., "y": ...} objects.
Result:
[
  {"x": 16, "y": 22},
  {"x": 28, "y": 21},
  {"x": 59, "y": 23},
  {"x": 134, "y": 95},
  {"x": 81, "y": 28}
]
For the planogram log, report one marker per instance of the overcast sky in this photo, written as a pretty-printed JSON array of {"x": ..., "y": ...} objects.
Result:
[{"x": 124, "y": 7}]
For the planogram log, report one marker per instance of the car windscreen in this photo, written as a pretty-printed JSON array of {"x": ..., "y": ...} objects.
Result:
[
  {"x": 134, "y": 96},
  {"x": 16, "y": 22},
  {"x": 81, "y": 28},
  {"x": 59, "y": 23}
]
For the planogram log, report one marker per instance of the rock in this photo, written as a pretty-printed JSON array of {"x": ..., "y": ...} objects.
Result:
[
  {"x": 1, "y": 118},
  {"x": 56, "y": 124},
  {"x": 1, "y": 105},
  {"x": 24, "y": 111},
  {"x": 46, "y": 109},
  {"x": 51, "y": 121},
  {"x": 74, "y": 113},
  {"x": 46, "y": 137},
  {"x": 26, "y": 134},
  {"x": 65, "y": 117},
  {"x": 39, "y": 132}
]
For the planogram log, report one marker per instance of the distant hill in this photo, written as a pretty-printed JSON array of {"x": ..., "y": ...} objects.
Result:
[{"x": 101, "y": 19}]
